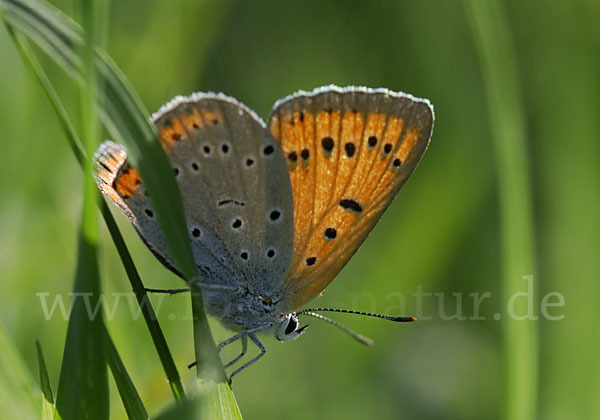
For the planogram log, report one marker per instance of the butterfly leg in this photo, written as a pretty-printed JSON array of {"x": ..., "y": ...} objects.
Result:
[
  {"x": 230, "y": 340},
  {"x": 223, "y": 344},
  {"x": 199, "y": 284},
  {"x": 209, "y": 286},
  {"x": 241, "y": 334},
  {"x": 263, "y": 350},
  {"x": 167, "y": 291},
  {"x": 242, "y": 354}
]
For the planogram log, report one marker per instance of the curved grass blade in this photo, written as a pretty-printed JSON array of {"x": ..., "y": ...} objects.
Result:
[
  {"x": 53, "y": 31},
  {"x": 123, "y": 114},
  {"x": 131, "y": 399},
  {"x": 47, "y": 397},
  {"x": 126, "y": 119},
  {"x": 150, "y": 318}
]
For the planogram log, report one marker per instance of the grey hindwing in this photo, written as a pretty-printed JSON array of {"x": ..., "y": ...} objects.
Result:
[{"x": 235, "y": 189}]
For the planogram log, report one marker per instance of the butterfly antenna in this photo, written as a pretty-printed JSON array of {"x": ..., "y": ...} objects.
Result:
[
  {"x": 348, "y": 311},
  {"x": 347, "y": 330}
]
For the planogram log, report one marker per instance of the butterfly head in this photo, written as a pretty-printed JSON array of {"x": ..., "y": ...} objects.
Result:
[{"x": 287, "y": 329}]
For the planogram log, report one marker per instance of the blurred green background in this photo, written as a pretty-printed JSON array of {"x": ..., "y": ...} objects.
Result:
[{"x": 442, "y": 234}]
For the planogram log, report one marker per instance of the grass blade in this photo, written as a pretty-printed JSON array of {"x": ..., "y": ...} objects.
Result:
[
  {"x": 50, "y": 29},
  {"x": 127, "y": 121},
  {"x": 83, "y": 384},
  {"x": 190, "y": 409},
  {"x": 158, "y": 338},
  {"x": 520, "y": 338},
  {"x": 150, "y": 318},
  {"x": 566, "y": 155},
  {"x": 47, "y": 397},
  {"x": 19, "y": 398},
  {"x": 220, "y": 405},
  {"x": 123, "y": 114},
  {"x": 131, "y": 399}
]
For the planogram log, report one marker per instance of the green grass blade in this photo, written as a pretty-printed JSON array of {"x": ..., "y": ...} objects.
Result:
[
  {"x": 83, "y": 384},
  {"x": 47, "y": 397},
  {"x": 565, "y": 107},
  {"x": 123, "y": 114},
  {"x": 50, "y": 29},
  {"x": 131, "y": 399},
  {"x": 218, "y": 404},
  {"x": 209, "y": 370},
  {"x": 150, "y": 318},
  {"x": 190, "y": 409},
  {"x": 126, "y": 119},
  {"x": 520, "y": 338},
  {"x": 19, "y": 393},
  {"x": 158, "y": 338}
]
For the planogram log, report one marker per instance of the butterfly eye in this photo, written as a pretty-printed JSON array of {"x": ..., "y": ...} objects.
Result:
[
  {"x": 291, "y": 326},
  {"x": 288, "y": 328}
]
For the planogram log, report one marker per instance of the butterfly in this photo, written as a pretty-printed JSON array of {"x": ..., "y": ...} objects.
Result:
[{"x": 274, "y": 211}]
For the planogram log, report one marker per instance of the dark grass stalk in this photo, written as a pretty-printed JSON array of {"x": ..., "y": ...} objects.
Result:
[
  {"x": 520, "y": 346},
  {"x": 129, "y": 396},
  {"x": 47, "y": 396},
  {"x": 137, "y": 286}
]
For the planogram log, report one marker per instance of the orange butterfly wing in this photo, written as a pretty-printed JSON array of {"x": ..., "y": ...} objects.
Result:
[{"x": 349, "y": 151}]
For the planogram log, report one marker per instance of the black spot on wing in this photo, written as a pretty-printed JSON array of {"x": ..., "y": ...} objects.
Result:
[{"x": 351, "y": 205}]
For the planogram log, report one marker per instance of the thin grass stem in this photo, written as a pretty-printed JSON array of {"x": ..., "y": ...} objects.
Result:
[{"x": 490, "y": 27}]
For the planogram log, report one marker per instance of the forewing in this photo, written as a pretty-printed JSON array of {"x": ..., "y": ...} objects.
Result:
[
  {"x": 235, "y": 189},
  {"x": 349, "y": 151}
]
